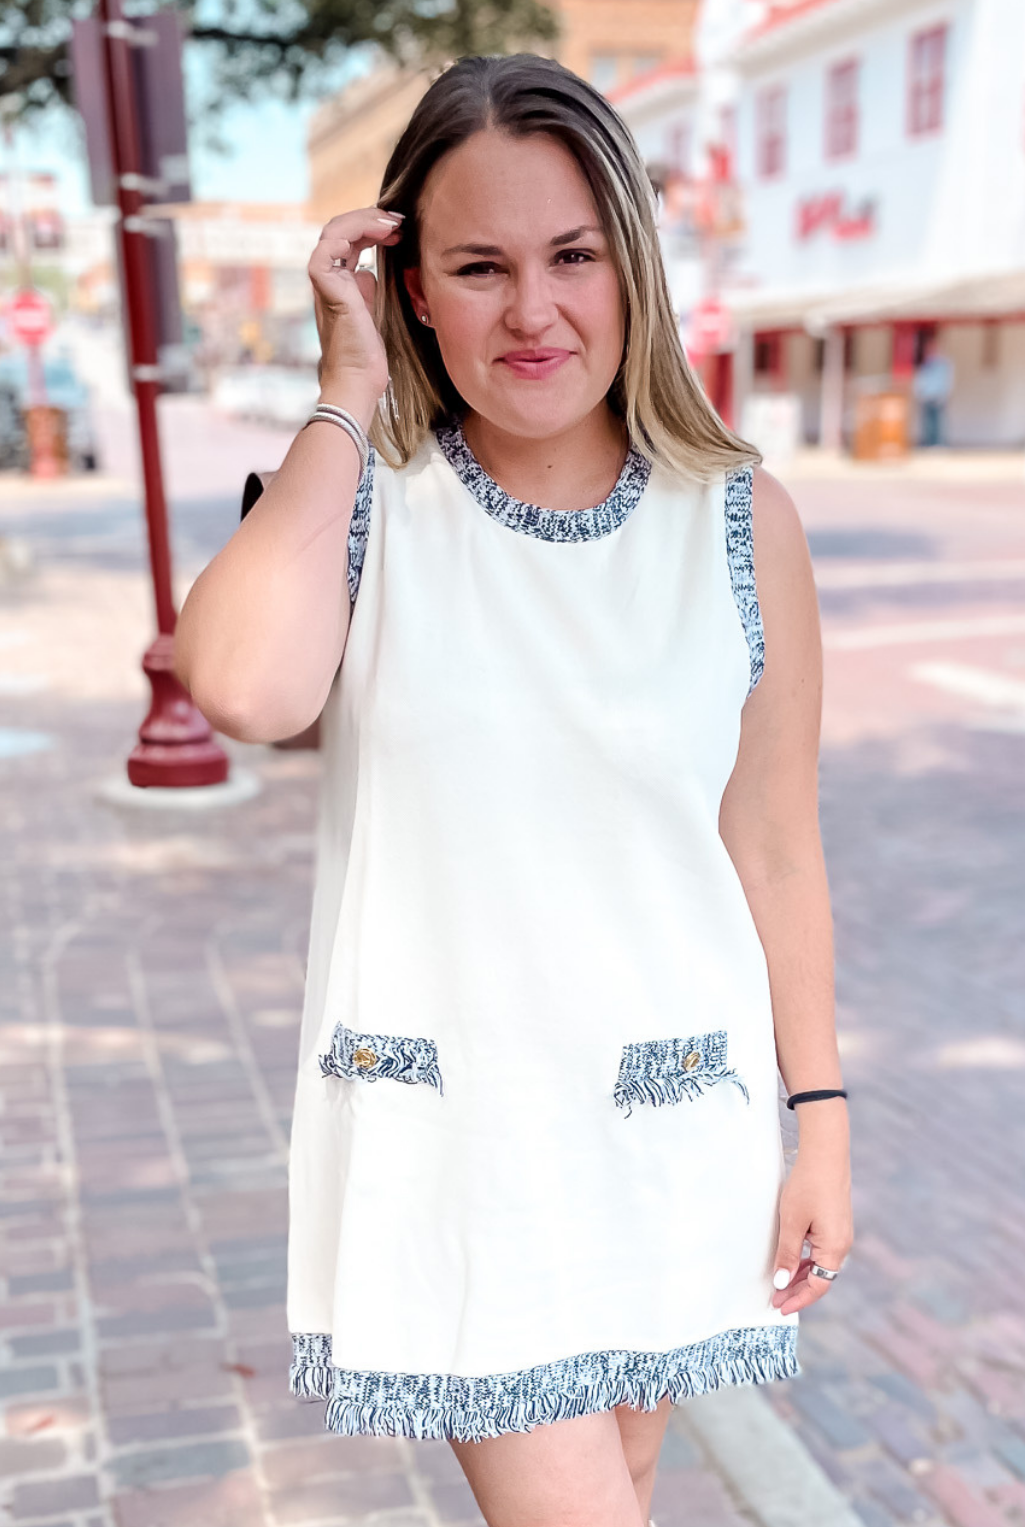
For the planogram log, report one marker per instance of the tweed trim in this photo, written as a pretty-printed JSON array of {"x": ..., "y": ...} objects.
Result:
[
  {"x": 656, "y": 1070},
  {"x": 740, "y": 556},
  {"x": 531, "y": 519},
  {"x": 359, "y": 527},
  {"x": 443, "y": 1405},
  {"x": 368, "y": 1057}
]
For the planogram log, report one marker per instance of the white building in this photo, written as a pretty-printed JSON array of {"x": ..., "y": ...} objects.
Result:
[
  {"x": 879, "y": 147},
  {"x": 663, "y": 115}
]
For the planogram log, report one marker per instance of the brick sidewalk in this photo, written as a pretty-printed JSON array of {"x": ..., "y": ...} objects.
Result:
[
  {"x": 150, "y": 1000},
  {"x": 149, "y": 1004},
  {"x": 914, "y": 1394}
]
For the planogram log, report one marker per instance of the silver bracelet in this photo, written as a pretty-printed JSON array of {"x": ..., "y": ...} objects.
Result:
[{"x": 352, "y": 427}]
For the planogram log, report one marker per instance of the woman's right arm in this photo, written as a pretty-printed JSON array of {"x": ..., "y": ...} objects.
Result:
[{"x": 262, "y": 629}]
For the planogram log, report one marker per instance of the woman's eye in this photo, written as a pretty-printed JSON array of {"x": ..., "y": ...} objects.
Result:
[{"x": 487, "y": 267}]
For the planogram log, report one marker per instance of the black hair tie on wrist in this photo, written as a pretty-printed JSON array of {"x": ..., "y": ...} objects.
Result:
[{"x": 812, "y": 1097}]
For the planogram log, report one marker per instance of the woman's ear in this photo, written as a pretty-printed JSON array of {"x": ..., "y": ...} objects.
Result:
[{"x": 411, "y": 276}]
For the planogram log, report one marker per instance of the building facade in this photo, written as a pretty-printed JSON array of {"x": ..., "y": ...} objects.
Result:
[
  {"x": 241, "y": 275},
  {"x": 878, "y": 150},
  {"x": 606, "y": 41}
]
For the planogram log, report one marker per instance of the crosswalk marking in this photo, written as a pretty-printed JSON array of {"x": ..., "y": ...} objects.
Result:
[
  {"x": 898, "y": 574},
  {"x": 972, "y": 683},
  {"x": 923, "y": 631}
]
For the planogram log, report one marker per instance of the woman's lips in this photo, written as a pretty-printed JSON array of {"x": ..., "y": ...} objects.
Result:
[{"x": 522, "y": 365}]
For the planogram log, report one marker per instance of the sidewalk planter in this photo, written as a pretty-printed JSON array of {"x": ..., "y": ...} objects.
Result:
[{"x": 881, "y": 422}]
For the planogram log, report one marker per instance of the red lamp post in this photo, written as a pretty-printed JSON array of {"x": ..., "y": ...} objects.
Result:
[{"x": 176, "y": 746}]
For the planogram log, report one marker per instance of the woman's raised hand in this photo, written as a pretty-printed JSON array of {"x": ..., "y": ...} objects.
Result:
[{"x": 353, "y": 364}]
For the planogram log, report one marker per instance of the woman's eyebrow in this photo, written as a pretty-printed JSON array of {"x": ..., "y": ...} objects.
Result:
[{"x": 493, "y": 249}]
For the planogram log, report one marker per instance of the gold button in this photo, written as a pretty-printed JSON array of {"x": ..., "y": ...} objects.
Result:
[
  {"x": 692, "y": 1060},
  {"x": 364, "y": 1057}
]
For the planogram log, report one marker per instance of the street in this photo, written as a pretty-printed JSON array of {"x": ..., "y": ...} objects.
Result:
[{"x": 152, "y": 982}]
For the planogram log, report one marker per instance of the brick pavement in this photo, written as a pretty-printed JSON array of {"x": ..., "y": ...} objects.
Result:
[
  {"x": 149, "y": 1002},
  {"x": 148, "y": 1009},
  {"x": 913, "y": 1398}
]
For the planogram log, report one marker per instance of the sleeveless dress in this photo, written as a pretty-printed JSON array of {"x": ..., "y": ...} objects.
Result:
[{"x": 536, "y": 1151}]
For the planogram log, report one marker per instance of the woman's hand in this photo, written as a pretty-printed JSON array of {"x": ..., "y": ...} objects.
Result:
[
  {"x": 353, "y": 366},
  {"x": 815, "y": 1205}
]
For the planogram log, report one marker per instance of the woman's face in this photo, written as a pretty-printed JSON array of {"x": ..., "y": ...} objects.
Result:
[{"x": 518, "y": 280}]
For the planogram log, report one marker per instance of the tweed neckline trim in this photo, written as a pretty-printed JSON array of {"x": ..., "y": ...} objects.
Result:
[{"x": 534, "y": 519}]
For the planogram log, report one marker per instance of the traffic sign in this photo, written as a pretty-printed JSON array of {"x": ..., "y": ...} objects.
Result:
[
  {"x": 710, "y": 327},
  {"x": 155, "y": 60},
  {"x": 30, "y": 316}
]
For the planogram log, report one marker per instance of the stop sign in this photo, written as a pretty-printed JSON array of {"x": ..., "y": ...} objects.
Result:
[
  {"x": 710, "y": 327},
  {"x": 30, "y": 316}
]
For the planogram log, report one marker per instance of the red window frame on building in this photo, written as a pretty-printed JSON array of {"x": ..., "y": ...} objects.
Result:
[
  {"x": 842, "y": 109},
  {"x": 681, "y": 146},
  {"x": 771, "y": 132},
  {"x": 770, "y": 357},
  {"x": 728, "y": 138},
  {"x": 927, "y": 80}
]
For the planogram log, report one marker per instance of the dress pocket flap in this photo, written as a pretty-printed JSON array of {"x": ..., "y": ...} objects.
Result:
[
  {"x": 368, "y": 1057},
  {"x": 668, "y": 1070}
]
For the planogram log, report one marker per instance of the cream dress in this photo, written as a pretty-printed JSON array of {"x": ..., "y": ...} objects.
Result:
[{"x": 536, "y": 1152}]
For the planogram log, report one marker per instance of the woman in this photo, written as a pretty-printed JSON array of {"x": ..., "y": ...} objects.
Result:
[{"x": 569, "y": 883}]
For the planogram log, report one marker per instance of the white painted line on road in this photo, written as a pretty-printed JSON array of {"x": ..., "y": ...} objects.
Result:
[
  {"x": 764, "y": 1461},
  {"x": 924, "y": 631},
  {"x": 973, "y": 683},
  {"x": 22, "y": 683},
  {"x": 895, "y": 574},
  {"x": 15, "y": 742},
  {"x": 997, "y": 1052}
]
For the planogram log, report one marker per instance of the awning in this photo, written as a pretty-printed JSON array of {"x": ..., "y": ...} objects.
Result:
[{"x": 997, "y": 294}]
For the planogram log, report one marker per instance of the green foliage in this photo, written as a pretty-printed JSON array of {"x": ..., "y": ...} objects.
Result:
[
  {"x": 55, "y": 282},
  {"x": 289, "y": 47}
]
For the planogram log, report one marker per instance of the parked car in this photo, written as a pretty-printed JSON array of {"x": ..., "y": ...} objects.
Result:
[
  {"x": 64, "y": 390},
  {"x": 266, "y": 394},
  {"x": 13, "y": 444}
]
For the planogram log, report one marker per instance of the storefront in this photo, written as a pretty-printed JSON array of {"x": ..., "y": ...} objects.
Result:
[{"x": 880, "y": 165}]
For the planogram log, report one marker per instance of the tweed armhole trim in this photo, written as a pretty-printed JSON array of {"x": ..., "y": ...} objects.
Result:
[
  {"x": 740, "y": 556},
  {"x": 443, "y": 1405},
  {"x": 359, "y": 527}
]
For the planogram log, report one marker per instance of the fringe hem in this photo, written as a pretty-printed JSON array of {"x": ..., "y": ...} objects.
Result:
[
  {"x": 416, "y": 1405},
  {"x": 671, "y": 1089}
]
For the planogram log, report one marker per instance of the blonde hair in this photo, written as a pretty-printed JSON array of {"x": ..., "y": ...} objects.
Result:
[{"x": 669, "y": 418}]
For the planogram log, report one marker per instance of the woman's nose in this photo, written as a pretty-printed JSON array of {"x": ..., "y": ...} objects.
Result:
[{"x": 532, "y": 307}]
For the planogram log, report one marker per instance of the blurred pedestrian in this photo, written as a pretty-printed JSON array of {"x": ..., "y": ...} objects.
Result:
[
  {"x": 933, "y": 385},
  {"x": 570, "y": 887}
]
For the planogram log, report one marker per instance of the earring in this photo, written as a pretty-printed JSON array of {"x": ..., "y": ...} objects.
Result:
[{"x": 425, "y": 318}]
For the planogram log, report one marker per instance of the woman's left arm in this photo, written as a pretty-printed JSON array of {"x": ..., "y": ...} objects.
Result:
[{"x": 769, "y": 822}]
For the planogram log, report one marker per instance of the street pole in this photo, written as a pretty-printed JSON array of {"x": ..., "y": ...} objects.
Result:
[
  {"x": 831, "y": 427},
  {"x": 176, "y": 746}
]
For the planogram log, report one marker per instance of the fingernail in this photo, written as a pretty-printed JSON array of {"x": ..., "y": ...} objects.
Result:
[
  {"x": 398, "y": 215},
  {"x": 780, "y": 1278}
]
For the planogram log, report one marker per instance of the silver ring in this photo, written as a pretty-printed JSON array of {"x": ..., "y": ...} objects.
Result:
[{"x": 823, "y": 1272}]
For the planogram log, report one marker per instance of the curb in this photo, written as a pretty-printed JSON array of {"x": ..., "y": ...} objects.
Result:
[
  {"x": 762, "y": 1460},
  {"x": 932, "y": 464},
  {"x": 117, "y": 790}
]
